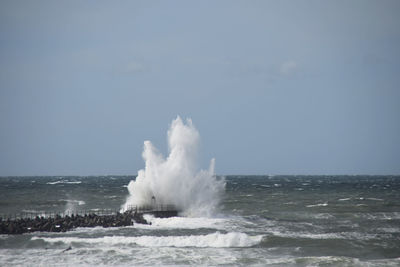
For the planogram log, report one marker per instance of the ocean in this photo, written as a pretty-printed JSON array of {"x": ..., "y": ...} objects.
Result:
[{"x": 258, "y": 221}]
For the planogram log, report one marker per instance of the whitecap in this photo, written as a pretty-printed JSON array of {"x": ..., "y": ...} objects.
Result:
[
  {"x": 217, "y": 240},
  {"x": 74, "y": 202},
  {"x": 64, "y": 182},
  {"x": 375, "y": 199},
  {"x": 317, "y": 205},
  {"x": 322, "y": 216},
  {"x": 290, "y": 203},
  {"x": 32, "y": 211},
  {"x": 389, "y": 230},
  {"x": 307, "y": 235},
  {"x": 182, "y": 223}
]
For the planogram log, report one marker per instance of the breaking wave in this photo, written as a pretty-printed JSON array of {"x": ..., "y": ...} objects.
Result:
[
  {"x": 64, "y": 182},
  {"x": 182, "y": 223},
  {"x": 217, "y": 240},
  {"x": 176, "y": 179}
]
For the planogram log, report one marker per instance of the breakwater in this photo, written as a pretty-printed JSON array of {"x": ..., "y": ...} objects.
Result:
[{"x": 62, "y": 222}]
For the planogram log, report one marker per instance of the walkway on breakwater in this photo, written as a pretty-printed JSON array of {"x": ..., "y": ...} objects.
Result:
[
  {"x": 159, "y": 211},
  {"x": 65, "y": 221}
]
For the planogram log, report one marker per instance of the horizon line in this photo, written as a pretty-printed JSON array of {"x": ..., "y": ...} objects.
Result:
[{"x": 135, "y": 175}]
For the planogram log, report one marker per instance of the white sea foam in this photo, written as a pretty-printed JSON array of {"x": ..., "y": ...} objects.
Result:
[
  {"x": 182, "y": 223},
  {"x": 75, "y": 202},
  {"x": 32, "y": 211},
  {"x": 374, "y": 199},
  {"x": 166, "y": 256},
  {"x": 317, "y": 205},
  {"x": 378, "y": 216},
  {"x": 290, "y": 203},
  {"x": 177, "y": 179},
  {"x": 72, "y": 204},
  {"x": 64, "y": 182},
  {"x": 389, "y": 230},
  {"x": 320, "y": 215},
  {"x": 306, "y": 235},
  {"x": 218, "y": 240}
]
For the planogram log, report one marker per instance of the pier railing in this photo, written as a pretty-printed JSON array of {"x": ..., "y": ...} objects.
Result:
[
  {"x": 151, "y": 208},
  {"x": 83, "y": 212}
]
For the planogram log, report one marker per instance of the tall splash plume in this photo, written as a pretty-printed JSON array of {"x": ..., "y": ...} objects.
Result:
[{"x": 176, "y": 179}]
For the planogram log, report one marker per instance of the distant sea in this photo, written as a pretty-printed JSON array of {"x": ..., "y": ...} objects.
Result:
[{"x": 262, "y": 221}]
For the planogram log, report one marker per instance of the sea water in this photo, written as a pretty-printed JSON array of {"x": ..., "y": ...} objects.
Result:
[
  {"x": 261, "y": 220},
  {"x": 232, "y": 220}
]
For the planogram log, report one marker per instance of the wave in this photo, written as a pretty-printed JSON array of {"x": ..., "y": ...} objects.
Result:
[
  {"x": 374, "y": 199},
  {"x": 317, "y": 205},
  {"x": 32, "y": 211},
  {"x": 177, "y": 179},
  {"x": 384, "y": 216},
  {"x": 362, "y": 198},
  {"x": 217, "y": 240},
  {"x": 342, "y": 235},
  {"x": 64, "y": 182},
  {"x": 74, "y": 202},
  {"x": 307, "y": 235},
  {"x": 182, "y": 223}
]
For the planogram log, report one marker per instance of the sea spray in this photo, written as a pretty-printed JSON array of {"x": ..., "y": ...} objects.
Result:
[
  {"x": 177, "y": 180},
  {"x": 72, "y": 205},
  {"x": 214, "y": 240}
]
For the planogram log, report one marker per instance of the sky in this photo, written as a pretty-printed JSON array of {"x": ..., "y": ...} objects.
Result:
[{"x": 273, "y": 87}]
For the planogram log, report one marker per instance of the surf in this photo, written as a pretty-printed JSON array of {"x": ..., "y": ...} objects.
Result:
[{"x": 176, "y": 179}]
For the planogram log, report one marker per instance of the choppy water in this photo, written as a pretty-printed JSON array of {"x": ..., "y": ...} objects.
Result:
[{"x": 263, "y": 220}]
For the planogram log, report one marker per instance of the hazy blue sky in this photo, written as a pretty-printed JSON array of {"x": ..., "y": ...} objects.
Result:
[{"x": 274, "y": 87}]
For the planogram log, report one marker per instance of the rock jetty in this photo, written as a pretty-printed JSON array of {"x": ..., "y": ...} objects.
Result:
[{"x": 65, "y": 223}]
